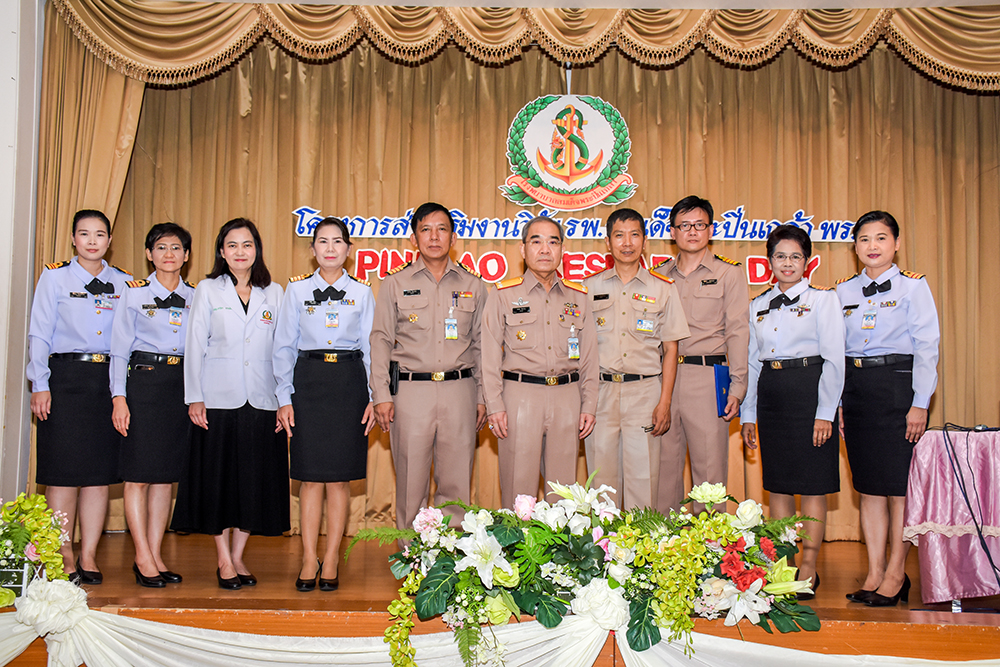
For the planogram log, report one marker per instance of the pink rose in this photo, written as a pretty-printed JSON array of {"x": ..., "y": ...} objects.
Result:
[
  {"x": 31, "y": 553},
  {"x": 524, "y": 505},
  {"x": 428, "y": 519}
]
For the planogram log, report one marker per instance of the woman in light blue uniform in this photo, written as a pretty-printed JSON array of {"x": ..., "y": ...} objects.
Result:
[
  {"x": 69, "y": 344},
  {"x": 147, "y": 386},
  {"x": 796, "y": 377},
  {"x": 891, "y": 325},
  {"x": 235, "y": 482},
  {"x": 322, "y": 364}
]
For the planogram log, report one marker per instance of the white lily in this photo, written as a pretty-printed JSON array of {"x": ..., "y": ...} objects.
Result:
[
  {"x": 746, "y": 604},
  {"x": 582, "y": 498},
  {"x": 483, "y": 552},
  {"x": 474, "y": 520}
]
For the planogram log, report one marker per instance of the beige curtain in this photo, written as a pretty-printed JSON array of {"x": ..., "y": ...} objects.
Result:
[{"x": 364, "y": 134}]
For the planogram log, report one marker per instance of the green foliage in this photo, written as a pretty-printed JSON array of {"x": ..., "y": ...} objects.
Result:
[
  {"x": 436, "y": 588},
  {"x": 535, "y": 549},
  {"x": 468, "y": 637},
  {"x": 584, "y": 558},
  {"x": 642, "y": 630},
  {"x": 384, "y": 535},
  {"x": 397, "y": 635},
  {"x": 646, "y": 519},
  {"x": 506, "y": 535},
  {"x": 790, "y": 616},
  {"x": 550, "y": 610}
]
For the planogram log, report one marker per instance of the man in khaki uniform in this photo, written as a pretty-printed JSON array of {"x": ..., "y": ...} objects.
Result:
[
  {"x": 427, "y": 319},
  {"x": 540, "y": 367},
  {"x": 639, "y": 321},
  {"x": 714, "y": 294}
]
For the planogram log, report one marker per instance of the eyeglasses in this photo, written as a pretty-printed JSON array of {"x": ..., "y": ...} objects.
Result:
[
  {"x": 686, "y": 226},
  {"x": 781, "y": 257}
]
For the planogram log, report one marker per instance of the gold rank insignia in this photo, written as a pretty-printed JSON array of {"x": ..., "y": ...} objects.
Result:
[
  {"x": 911, "y": 274},
  {"x": 359, "y": 280},
  {"x": 844, "y": 280},
  {"x": 57, "y": 265},
  {"x": 150, "y": 313},
  {"x": 722, "y": 258},
  {"x": 310, "y": 309},
  {"x": 413, "y": 317},
  {"x": 601, "y": 321},
  {"x": 296, "y": 279},
  {"x": 521, "y": 335}
]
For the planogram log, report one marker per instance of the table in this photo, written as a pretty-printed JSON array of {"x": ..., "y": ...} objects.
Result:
[{"x": 953, "y": 564}]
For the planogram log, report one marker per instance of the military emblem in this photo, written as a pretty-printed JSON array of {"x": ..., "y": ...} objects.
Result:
[
  {"x": 521, "y": 335},
  {"x": 601, "y": 321},
  {"x": 569, "y": 153},
  {"x": 413, "y": 317}
]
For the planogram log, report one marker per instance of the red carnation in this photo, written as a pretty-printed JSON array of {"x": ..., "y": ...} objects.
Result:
[
  {"x": 767, "y": 546},
  {"x": 740, "y": 545},
  {"x": 745, "y": 579},
  {"x": 731, "y": 564}
]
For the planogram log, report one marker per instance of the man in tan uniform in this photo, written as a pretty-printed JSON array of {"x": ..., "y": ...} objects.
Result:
[
  {"x": 427, "y": 319},
  {"x": 639, "y": 321},
  {"x": 714, "y": 294},
  {"x": 540, "y": 367}
]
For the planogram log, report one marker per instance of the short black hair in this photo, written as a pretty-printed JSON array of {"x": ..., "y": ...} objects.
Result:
[
  {"x": 541, "y": 218},
  {"x": 877, "y": 216},
  {"x": 85, "y": 213},
  {"x": 164, "y": 229},
  {"x": 789, "y": 233},
  {"x": 332, "y": 222},
  {"x": 259, "y": 275},
  {"x": 690, "y": 203},
  {"x": 622, "y": 215},
  {"x": 425, "y": 210}
]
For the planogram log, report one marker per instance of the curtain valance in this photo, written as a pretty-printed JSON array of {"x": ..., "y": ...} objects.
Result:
[{"x": 175, "y": 43}]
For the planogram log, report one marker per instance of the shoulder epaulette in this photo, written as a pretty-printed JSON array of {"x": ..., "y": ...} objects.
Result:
[
  {"x": 663, "y": 263},
  {"x": 728, "y": 261},
  {"x": 120, "y": 270},
  {"x": 399, "y": 268},
  {"x": 911, "y": 274},
  {"x": 190, "y": 284},
  {"x": 844, "y": 280},
  {"x": 471, "y": 270},
  {"x": 574, "y": 285},
  {"x": 757, "y": 296},
  {"x": 821, "y": 287},
  {"x": 359, "y": 280},
  {"x": 595, "y": 273},
  {"x": 137, "y": 283},
  {"x": 302, "y": 277},
  {"x": 510, "y": 282},
  {"x": 57, "y": 265},
  {"x": 656, "y": 274}
]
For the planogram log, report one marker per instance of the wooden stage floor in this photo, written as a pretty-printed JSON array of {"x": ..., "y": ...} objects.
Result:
[{"x": 273, "y": 606}]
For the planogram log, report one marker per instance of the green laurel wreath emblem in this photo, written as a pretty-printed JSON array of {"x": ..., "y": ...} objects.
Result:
[{"x": 521, "y": 165}]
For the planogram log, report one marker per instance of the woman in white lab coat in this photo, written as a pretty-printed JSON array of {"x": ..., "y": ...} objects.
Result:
[{"x": 235, "y": 482}]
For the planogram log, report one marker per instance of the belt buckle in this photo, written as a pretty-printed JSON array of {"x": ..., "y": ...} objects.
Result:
[
  {"x": 776, "y": 365},
  {"x": 551, "y": 380},
  {"x": 617, "y": 377},
  {"x": 330, "y": 357},
  {"x": 680, "y": 358},
  {"x": 437, "y": 376},
  {"x": 97, "y": 358},
  {"x": 857, "y": 362},
  {"x": 173, "y": 361}
]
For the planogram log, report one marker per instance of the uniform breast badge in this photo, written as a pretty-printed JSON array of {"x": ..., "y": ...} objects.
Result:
[
  {"x": 413, "y": 317},
  {"x": 601, "y": 321},
  {"x": 521, "y": 335}
]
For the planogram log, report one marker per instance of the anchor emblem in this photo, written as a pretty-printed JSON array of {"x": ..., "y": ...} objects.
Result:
[{"x": 569, "y": 154}]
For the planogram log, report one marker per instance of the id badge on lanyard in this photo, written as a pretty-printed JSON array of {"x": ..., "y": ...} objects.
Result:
[
  {"x": 868, "y": 319},
  {"x": 450, "y": 323},
  {"x": 332, "y": 317},
  {"x": 574, "y": 343},
  {"x": 175, "y": 317},
  {"x": 102, "y": 303}
]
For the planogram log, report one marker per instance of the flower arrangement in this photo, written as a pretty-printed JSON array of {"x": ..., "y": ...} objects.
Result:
[
  {"x": 30, "y": 534},
  {"x": 641, "y": 571}
]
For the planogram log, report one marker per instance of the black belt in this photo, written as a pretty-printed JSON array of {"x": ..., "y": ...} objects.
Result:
[
  {"x": 94, "y": 358},
  {"x": 332, "y": 356},
  {"x": 782, "y": 364},
  {"x": 707, "y": 360},
  {"x": 625, "y": 377},
  {"x": 437, "y": 376},
  {"x": 153, "y": 358},
  {"x": 883, "y": 360},
  {"x": 550, "y": 380}
]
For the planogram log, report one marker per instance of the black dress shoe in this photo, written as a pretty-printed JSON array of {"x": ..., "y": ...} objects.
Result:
[
  {"x": 306, "y": 585},
  {"x": 329, "y": 584},
  {"x": 231, "y": 584},
  {"x": 171, "y": 577},
  {"x": 878, "y": 600},
  {"x": 860, "y": 595},
  {"x": 148, "y": 582},
  {"x": 87, "y": 577},
  {"x": 247, "y": 579},
  {"x": 810, "y": 596}
]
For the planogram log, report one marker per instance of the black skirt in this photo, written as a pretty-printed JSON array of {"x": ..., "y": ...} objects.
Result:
[
  {"x": 235, "y": 476},
  {"x": 875, "y": 402},
  {"x": 78, "y": 445},
  {"x": 159, "y": 427},
  {"x": 786, "y": 414},
  {"x": 328, "y": 442}
]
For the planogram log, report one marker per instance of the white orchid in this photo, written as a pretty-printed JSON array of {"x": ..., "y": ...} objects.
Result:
[
  {"x": 483, "y": 552},
  {"x": 789, "y": 535},
  {"x": 474, "y": 520},
  {"x": 746, "y": 604}
]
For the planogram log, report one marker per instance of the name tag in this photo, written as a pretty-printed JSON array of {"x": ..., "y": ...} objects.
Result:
[
  {"x": 710, "y": 281},
  {"x": 78, "y": 295},
  {"x": 521, "y": 310},
  {"x": 411, "y": 292},
  {"x": 601, "y": 297}
]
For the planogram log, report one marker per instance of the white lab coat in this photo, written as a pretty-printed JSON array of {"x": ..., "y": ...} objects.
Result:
[{"x": 227, "y": 359}]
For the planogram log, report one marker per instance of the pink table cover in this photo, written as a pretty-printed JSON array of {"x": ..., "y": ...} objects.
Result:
[{"x": 953, "y": 564}]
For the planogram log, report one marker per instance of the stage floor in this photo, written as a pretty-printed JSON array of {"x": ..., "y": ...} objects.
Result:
[{"x": 273, "y": 606}]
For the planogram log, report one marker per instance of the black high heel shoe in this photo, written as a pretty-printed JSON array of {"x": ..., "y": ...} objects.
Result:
[
  {"x": 879, "y": 600},
  {"x": 860, "y": 595},
  {"x": 246, "y": 579},
  {"x": 306, "y": 585},
  {"x": 171, "y": 577},
  {"x": 231, "y": 584},
  {"x": 148, "y": 582},
  {"x": 328, "y": 585},
  {"x": 815, "y": 587},
  {"x": 87, "y": 577}
]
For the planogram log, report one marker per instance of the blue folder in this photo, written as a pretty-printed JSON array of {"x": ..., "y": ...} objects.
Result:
[{"x": 721, "y": 387}]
